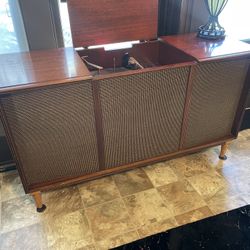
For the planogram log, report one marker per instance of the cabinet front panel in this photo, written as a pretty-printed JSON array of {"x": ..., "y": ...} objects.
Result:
[
  {"x": 54, "y": 131},
  {"x": 142, "y": 114},
  {"x": 215, "y": 96}
]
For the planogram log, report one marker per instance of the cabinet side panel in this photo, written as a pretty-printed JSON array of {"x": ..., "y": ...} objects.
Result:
[
  {"x": 215, "y": 96},
  {"x": 142, "y": 114},
  {"x": 54, "y": 131}
]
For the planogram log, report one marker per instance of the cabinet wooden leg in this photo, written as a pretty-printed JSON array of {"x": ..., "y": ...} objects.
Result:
[
  {"x": 40, "y": 207},
  {"x": 223, "y": 151}
]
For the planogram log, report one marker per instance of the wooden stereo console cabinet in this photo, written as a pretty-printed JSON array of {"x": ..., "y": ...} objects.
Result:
[{"x": 67, "y": 121}]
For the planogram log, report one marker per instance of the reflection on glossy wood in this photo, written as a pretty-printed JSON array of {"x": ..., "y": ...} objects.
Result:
[
  {"x": 95, "y": 22},
  {"x": 40, "y": 68},
  {"x": 204, "y": 50}
]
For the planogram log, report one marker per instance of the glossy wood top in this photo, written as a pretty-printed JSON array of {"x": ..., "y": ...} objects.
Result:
[
  {"x": 205, "y": 50},
  {"x": 97, "y": 22},
  {"x": 40, "y": 68}
]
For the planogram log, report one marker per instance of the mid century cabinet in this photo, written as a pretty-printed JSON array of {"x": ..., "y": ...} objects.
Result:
[{"x": 66, "y": 123}]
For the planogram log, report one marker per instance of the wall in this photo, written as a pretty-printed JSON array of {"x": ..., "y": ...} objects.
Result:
[
  {"x": 193, "y": 15},
  {"x": 42, "y": 23}
]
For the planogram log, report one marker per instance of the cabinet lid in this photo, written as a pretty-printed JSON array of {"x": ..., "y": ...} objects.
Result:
[
  {"x": 40, "y": 68},
  {"x": 96, "y": 22},
  {"x": 207, "y": 50}
]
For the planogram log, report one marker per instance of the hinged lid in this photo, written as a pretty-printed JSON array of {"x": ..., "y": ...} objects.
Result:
[{"x": 96, "y": 22}]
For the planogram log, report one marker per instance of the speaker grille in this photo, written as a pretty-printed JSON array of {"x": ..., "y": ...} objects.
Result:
[
  {"x": 142, "y": 114},
  {"x": 54, "y": 131},
  {"x": 214, "y": 101}
]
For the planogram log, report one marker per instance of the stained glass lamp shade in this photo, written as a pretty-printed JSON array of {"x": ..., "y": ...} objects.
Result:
[{"x": 213, "y": 30}]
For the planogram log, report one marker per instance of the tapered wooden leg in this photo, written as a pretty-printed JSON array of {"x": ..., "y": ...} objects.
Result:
[
  {"x": 223, "y": 151},
  {"x": 40, "y": 207}
]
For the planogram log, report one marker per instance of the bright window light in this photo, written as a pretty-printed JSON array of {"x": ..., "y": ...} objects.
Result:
[
  {"x": 12, "y": 34},
  {"x": 115, "y": 46},
  {"x": 67, "y": 38},
  {"x": 235, "y": 18}
]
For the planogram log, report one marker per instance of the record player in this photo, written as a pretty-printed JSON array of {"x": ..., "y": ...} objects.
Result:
[{"x": 75, "y": 114}]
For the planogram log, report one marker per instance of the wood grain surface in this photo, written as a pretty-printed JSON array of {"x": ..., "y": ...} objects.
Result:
[
  {"x": 95, "y": 22},
  {"x": 40, "y": 68},
  {"x": 206, "y": 50}
]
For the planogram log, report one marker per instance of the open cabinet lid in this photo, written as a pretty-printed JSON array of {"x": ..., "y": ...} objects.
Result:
[{"x": 96, "y": 22}]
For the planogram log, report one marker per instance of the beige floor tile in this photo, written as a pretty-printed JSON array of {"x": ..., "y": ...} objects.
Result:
[
  {"x": 222, "y": 203},
  {"x": 68, "y": 231},
  {"x": 240, "y": 148},
  {"x": 18, "y": 213},
  {"x": 160, "y": 174},
  {"x": 238, "y": 176},
  {"x": 116, "y": 241},
  {"x": 62, "y": 201},
  {"x": 27, "y": 238},
  {"x": 198, "y": 163},
  {"x": 237, "y": 167},
  {"x": 194, "y": 215},
  {"x": 157, "y": 227},
  {"x": 246, "y": 198},
  {"x": 98, "y": 191},
  {"x": 209, "y": 184},
  {"x": 88, "y": 247},
  {"x": 240, "y": 179},
  {"x": 221, "y": 191},
  {"x": 146, "y": 207},
  {"x": 181, "y": 197},
  {"x": 11, "y": 187},
  {"x": 132, "y": 182},
  {"x": 242, "y": 186},
  {"x": 109, "y": 219}
]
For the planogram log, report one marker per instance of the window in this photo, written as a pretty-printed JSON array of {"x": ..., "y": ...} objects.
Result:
[
  {"x": 65, "y": 24},
  {"x": 235, "y": 18},
  {"x": 12, "y": 35}
]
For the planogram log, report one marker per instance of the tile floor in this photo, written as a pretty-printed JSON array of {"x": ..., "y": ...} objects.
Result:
[{"x": 115, "y": 210}]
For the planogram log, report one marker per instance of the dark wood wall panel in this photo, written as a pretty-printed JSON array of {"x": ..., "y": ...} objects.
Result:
[
  {"x": 54, "y": 131},
  {"x": 217, "y": 88},
  {"x": 142, "y": 114}
]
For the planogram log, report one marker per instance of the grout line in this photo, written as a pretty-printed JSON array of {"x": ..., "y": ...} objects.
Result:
[
  {"x": 120, "y": 196},
  {"x": 83, "y": 204}
]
